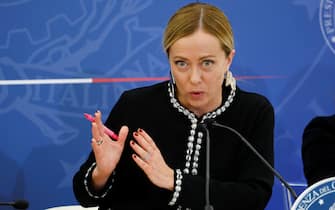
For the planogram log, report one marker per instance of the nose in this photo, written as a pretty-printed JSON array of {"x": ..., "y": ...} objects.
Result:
[{"x": 195, "y": 76}]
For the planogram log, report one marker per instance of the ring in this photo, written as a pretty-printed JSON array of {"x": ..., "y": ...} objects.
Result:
[{"x": 99, "y": 142}]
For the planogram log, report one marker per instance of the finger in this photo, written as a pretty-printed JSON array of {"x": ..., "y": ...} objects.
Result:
[
  {"x": 95, "y": 131},
  {"x": 142, "y": 142},
  {"x": 141, "y": 163},
  {"x": 143, "y": 154},
  {"x": 95, "y": 146},
  {"x": 123, "y": 133},
  {"x": 146, "y": 136},
  {"x": 99, "y": 122},
  {"x": 94, "y": 143}
]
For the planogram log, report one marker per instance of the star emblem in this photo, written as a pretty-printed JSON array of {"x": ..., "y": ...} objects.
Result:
[{"x": 321, "y": 202}]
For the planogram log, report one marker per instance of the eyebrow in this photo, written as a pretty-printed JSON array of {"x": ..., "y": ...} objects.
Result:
[
  {"x": 201, "y": 58},
  {"x": 207, "y": 56}
]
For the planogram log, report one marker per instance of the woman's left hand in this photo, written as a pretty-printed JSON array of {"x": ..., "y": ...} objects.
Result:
[{"x": 149, "y": 158}]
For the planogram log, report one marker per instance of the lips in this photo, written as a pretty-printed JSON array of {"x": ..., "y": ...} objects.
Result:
[{"x": 196, "y": 93}]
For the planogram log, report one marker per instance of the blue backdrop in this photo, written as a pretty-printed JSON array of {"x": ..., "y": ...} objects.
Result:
[{"x": 284, "y": 50}]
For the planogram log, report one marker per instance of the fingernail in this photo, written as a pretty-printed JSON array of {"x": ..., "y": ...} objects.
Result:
[
  {"x": 140, "y": 130},
  {"x": 132, "y": 142},
  {"x": 135, "y": 133}
]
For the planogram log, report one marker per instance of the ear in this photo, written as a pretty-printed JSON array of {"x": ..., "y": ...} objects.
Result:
[{"x": 230, "y": 58}]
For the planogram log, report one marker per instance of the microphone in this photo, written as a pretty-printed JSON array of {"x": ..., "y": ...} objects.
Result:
[
  {"x": 203, "y": 125},
  {"x": 18, "y": 204},
  {"x": 266, "y": 163}
]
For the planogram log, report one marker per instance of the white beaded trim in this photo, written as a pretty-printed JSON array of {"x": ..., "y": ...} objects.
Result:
[
  {"x": 191, "y": 139},
  {"x": 86, "y": 183},
  {"x": 177, "y": 187},
  {"x": 194, "y": 124}
]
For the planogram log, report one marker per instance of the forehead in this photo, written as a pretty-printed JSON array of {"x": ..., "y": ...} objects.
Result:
[{"x": 199, "y": 42}]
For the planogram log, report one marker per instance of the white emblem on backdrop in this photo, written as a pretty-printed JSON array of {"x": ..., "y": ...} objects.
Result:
[
  {"x": 327, "y": 22},
  {"x": 319, "y": 196}
]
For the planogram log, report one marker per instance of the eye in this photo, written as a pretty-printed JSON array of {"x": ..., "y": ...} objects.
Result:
[
  {"x": 181, "y": 64},
  {"x": 207, "y": 63}
]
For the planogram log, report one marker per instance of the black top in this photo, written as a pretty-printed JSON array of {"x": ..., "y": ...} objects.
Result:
[
  {"x": 318, "y": 149},
  {"x": 239, "y": 180}
]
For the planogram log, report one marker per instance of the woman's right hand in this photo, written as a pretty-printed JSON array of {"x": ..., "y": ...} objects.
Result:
[{"x": 107, "y": 151}]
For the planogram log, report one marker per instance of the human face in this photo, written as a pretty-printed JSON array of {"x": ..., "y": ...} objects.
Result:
[{"x": 198, "y": 64}]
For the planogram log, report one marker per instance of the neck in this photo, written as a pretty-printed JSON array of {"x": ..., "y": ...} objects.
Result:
[{"x": 209, "y": 107}]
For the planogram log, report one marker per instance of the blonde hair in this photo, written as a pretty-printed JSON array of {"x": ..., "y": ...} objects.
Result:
[{"x": 199, "y": 16}]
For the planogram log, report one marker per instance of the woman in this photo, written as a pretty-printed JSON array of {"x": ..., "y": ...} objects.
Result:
[{"x": 158, "y": 161}]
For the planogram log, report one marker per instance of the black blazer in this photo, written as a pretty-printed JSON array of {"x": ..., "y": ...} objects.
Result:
[{"x": 239, "y": 180}]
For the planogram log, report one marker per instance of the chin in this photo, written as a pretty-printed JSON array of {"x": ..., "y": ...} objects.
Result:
[{"x": 198, "y": 107}]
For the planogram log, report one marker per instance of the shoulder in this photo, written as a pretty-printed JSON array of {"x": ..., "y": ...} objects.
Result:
[
  {"x": 139, "y": 101},
  {"x": 251, "y": 108},
  {"x": 324, "y": 122},
  {"x": 253, "y": 100},
  {"x": 320, "y": 125},
  {"x": 320, "y": 130},
  {"x": 147, "y": 92}
]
